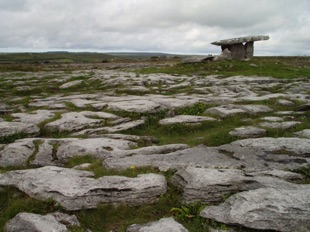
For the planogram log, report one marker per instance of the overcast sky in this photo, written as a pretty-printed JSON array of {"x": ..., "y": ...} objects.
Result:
[{"x": 173, "y": 26}]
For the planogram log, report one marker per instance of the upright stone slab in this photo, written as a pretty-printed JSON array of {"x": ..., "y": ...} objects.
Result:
[
  {"x": 249, "y": 49},
  {"x": 240, "y": 48},
  {"x": 237, "y": 51}
]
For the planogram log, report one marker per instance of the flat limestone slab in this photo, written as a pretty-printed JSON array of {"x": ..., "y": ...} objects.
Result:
[
  {"x": 185, "y": 119},
  {"x": 164, "y": 224},
  {"x": 240, "y": 40},
  {"x": 52, "y": 222},
  {"x": 75, "y": 190},
  {"x": 265, "y": 209},
  {"x": 209, "y": 185}
]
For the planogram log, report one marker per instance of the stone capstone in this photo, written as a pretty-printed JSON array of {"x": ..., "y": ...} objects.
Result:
[
  {"x": 164, "y": 224},
  {"x": 274, "y": 209},
  {"x": 75, "y": 189}
]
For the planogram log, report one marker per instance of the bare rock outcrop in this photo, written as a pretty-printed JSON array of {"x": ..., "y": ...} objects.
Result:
[
  {"x": 265, "y": 209},
  {"x": 75, "y": 190}
]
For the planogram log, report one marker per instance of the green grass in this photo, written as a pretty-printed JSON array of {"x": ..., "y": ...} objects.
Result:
[
  {"x": 279, "y": 67},
  {"x": 13, "y": 201}
]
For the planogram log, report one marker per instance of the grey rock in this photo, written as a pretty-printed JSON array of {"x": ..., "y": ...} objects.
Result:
[
  {"x": 17, "y": 153},
  {"x": 74, "y": 121},
  {"x": 136, "y": 105},
  {"x": 75, "y": 189},
  {"x": 199, "y": 156},
  {"x": 59, "y": 151},
  {"x": 35, "y": 117},
  {"x": 228, "y": 110},
  {"x": 29, "y": 222},
  {"x": 12, "y": 128},
  {"x": 185, "y": 119},
  {"x": 265, "y": 209},
  {"x": 224, "y": 111},
  {"x": 164, "y": 224},
  {"x": 303, "y": 134},
  {"x": 97, "y": 132},
  {"x": 279, "y": 125},
  {"x": 70, "y": 84},
  {"x": 151, "y": 150},
  {"x": 248, "y": 132},
  {"x": 284, "y": 175},
  {"x": 240, "y": 40},
  {"x": 213, "y": 185},
  {"x": 284, "y": 102},
  {"x": 124, "y": 126},
  {"x": 304, "y": 107},
  {"x": 66, "y": 219},
  {"x": 272, "y": 119},
  {"x": 134, "y": 138},
  {"x": 293, "y": 146}
]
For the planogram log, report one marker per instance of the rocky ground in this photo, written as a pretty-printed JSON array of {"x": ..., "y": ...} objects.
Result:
[{"x": 233, "y": 143}]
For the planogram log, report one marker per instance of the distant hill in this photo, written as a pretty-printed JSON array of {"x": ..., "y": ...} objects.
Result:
[
  {"x": 139, "y": 54},
  {"x": 57, "y": 57}
]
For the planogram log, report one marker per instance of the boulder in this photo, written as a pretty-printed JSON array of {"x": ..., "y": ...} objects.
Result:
[
  {"x": 265, "y": 209},
  {"x": 164, "y": 224},
  {"x": 76, "y": 190}
]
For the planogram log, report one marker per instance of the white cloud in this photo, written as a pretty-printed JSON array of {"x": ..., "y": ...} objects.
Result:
[{"x": 147, "y": 25}]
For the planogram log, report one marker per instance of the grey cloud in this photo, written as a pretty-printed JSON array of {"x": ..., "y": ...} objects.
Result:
[{"x": 162, "y": 25}]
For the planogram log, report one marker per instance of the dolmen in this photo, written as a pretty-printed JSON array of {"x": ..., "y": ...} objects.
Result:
[{"x": 238, "y": 48}]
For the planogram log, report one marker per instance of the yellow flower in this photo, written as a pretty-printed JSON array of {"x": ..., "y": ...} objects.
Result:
[{"x": 132, "y": 168}]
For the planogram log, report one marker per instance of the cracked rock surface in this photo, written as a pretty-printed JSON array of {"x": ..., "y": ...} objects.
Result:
[{"x": 233, "y": 143}]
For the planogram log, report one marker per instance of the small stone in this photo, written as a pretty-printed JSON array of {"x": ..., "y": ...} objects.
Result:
[
  {"x": 185, "y": 119},
  {"x": 30, "y": 222},
  {"x": 303, "y": 134},
  {"x": 70, "y": 84},
  {"x": 164, "y": 224},
  {"x": 248, "y": 132},
  {"x": 284, "y": 102},
  {"x": 279, "y": 125}
]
